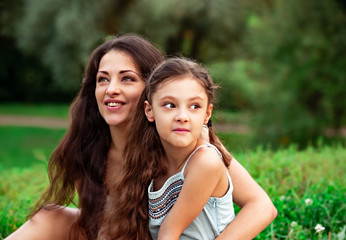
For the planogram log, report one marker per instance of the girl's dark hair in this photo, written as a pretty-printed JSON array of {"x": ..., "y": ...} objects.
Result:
[
  {"x": 81, "y": 156},
  {"x": 144, "y": 153}
]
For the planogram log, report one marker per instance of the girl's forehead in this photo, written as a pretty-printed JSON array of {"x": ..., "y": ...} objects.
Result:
[
  {"x": 180, "y": 87},
  {"x": 184, "y": 79}
]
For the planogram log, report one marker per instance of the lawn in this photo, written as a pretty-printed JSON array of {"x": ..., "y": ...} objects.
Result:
[
  {"x": 43, "y": 110},
  {"x": 26, "y": 146},
  {"x": 307, "y": 187}
]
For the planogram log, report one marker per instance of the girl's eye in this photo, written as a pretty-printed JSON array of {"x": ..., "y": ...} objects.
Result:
[
  {"x": 169, "y": 105},
  {"x": 195, "y": 106}
]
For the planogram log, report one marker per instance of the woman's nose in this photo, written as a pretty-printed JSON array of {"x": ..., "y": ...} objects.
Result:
[
  {"x": 113, "y": 89},
  {"x": 112, "y": 92}
]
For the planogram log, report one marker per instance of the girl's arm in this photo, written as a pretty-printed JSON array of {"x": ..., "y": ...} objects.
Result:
[
  {"x": 202, "y": 175},
  {"x": 257, "y": 210}
]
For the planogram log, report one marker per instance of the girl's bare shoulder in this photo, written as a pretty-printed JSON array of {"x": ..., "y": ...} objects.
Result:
[{"x": 206, "y": 158}]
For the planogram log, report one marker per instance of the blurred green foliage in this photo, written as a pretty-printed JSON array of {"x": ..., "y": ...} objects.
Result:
[
  {"x": 302, "y": 73},
  {"x": 281, "y": 61}
]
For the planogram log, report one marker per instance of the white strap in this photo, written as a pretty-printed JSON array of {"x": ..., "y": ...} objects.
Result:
[{"x": 204, "y": 145}]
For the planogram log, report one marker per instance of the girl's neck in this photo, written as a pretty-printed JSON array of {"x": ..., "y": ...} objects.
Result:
[{"x": 176, "y": 157}]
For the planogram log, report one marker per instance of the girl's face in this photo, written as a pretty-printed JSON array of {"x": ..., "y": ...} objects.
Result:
[
  {"x": 118, "y": 88},
  {"x": 179, "y": 108}
]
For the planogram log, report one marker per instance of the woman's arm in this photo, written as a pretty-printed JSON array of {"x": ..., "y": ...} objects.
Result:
[
  {"x": 48, "y": 224},
  {"x": 202, "y": 175},
  {"x": 52, "y": 224},
  {"x": 257, "y": 210}
]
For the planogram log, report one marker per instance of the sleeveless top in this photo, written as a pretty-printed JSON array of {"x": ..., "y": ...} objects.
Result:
[{"x": 214, "y": 218}]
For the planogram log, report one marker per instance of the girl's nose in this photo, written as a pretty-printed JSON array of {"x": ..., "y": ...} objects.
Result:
[{"x": 182, "y": 116}]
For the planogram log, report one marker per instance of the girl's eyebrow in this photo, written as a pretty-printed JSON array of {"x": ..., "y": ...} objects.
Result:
[
  {"x": 168, "y": 97},
  {"x": 196, "y": 98}
]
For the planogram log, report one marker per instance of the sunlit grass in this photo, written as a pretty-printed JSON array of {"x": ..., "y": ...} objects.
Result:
[
  {"x": 25, "y": 146},
  {"x": 20, "y": 188},
  {"x": 44, "y": 110}
]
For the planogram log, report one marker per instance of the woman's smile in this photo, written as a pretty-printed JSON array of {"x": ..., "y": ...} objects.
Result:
[{"x": 114, "y": 104}]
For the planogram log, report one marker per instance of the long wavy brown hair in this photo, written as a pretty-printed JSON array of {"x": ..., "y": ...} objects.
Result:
[
  {"x": 144, "y": 155},
  {"x": 81, "y": 156}
]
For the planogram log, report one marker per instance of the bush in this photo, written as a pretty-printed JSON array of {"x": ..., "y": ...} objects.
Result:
[
  {"x": 238, "y": 89},
  {"x": 296, "y": 44}
]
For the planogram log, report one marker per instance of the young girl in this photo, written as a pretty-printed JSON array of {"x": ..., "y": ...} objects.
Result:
[
  {"x": 192, "y": 199},
  {"x": 190, "y": 195}
]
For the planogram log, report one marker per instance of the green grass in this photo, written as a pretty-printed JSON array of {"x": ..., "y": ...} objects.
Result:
[
  {"x": 43, "y": 110},
  {"x": 307, "y": 187},
  {"x": 20, "y": 188},
  {"x": 290, "y": 177},
  {"x": 27, "y": 146}
]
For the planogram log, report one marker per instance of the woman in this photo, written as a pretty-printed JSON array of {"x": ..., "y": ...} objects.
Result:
[{"x": 89, "y": 156}]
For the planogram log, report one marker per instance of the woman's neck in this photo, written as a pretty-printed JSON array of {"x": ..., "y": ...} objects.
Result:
[
  {"x": 119, "y": 138},
  {"x": 115, "y": 152}
]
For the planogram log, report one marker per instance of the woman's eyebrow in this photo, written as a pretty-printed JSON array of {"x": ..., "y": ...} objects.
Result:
[
  {"x": 104, "y": 72},
  {"x": 126, "y": 71}
]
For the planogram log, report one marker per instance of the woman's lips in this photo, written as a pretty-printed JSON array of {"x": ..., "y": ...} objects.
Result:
[{"x": 114, "y": 104}]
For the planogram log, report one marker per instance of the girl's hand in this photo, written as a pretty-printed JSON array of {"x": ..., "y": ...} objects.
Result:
[
  {"x": 257, "y": 210},
  {"x": 205, "y": 133}
]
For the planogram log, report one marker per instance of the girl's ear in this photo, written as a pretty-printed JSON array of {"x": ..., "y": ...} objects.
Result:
[
  {"x": 208, "y": 113},
  {"x": 148, "y": 110}
]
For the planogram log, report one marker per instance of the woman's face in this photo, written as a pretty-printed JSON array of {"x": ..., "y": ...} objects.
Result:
[{"x": 118, "y": 88}]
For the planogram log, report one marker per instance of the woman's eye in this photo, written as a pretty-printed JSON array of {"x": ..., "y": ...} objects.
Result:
[
  {"x": 169, "y": 105},
  {"x": 128, "y": 79},
  {"x": 102, "y": 79},
  {"x": 195, "y": 106}
]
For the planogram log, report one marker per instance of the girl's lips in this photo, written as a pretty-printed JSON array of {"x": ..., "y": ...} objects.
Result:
[{"x": 181, "y": 130}]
